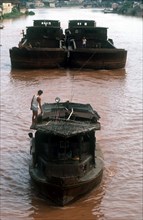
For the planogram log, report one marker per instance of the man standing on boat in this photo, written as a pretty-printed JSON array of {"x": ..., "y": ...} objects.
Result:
[
  {"x": 84, "y": 42},
  {"x": 35, "y": 105},
  {"x": 67, "y": 38}
]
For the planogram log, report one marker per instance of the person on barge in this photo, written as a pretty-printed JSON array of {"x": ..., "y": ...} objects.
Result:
[{"x": 35, "y": 105}]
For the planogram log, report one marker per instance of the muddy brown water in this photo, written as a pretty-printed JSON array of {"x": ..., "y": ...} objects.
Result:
[{"x": 117, "y": 97}]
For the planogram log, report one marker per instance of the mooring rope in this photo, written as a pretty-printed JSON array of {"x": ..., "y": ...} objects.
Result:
[{"x": 72, "y": 89}]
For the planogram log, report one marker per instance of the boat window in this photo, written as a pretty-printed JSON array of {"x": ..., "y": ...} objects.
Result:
[
  {"x": 64, "y": 150},
  {"x": 57, "y": 148},
  {"x": 85, "y": 147},
  {"x": 46, "y": 23},
  {"x": 82, "y": 24}
]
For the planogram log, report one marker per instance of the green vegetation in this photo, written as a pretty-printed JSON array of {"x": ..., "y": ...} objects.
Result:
[
  {"x": 29, "y": 13},
  {"x": 16, "y": 13},
  {"x": 129, "y": 9}
]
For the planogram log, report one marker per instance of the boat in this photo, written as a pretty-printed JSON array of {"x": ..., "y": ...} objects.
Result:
[
  {"x": 1, "y": 26},
  {"x": 65, "y": 161},
  {"x": 40, "y": 46},
  {"x": 109, "y": 10},
  {"x": 99, "y": 53},
  {"x": 45, "y": 46}
]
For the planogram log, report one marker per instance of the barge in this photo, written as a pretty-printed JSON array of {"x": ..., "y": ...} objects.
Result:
[
  {"x": 40, "y": 47},
  {"x": 65, "y": 162},
  {"x": 83, "y": 45},
  {"x": 98, "y": 52}
]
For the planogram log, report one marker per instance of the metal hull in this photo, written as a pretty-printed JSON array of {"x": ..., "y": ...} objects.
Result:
[
  {"x": 98, "y": 58},
  {"x": 80, "y": 58},
  {"x": 37, "y": 58},
  {"x": 62, "y": 193}
]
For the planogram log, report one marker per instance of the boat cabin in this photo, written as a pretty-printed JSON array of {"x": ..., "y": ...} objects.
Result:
[
  {"x": 81, "y": 24},
  {"x": 96, "y": 37},
  {"x": 47, "y": 23},
  {"x": 56, "y": 153},
  {"x": 66, "y": 135},
  {"x": 44, "y": 34}
]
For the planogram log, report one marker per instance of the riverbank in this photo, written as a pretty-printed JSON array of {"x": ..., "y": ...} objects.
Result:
[
  {"x": 16, "y": 13},
  {"x": 127, "y": 9}
]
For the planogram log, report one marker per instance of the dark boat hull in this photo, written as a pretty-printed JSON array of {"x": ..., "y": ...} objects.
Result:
[
  {"x": 79, "y": 58},
  {"x": 37, "y": 58},
  {"x": 62, "y": 194},
  {"x": 98, "y": 58},
  {"x": 66, "y": 161}
]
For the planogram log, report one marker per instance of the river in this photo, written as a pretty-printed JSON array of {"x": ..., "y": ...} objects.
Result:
[{"x": 117, "y": 97}]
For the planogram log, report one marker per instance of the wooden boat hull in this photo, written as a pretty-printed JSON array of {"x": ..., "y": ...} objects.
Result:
[
  {"x": 61, "y": 193},
  {"x": 37, "y": 58},
  {"x": 66, "y": 162},
  {"x": 98, "y": 58}
]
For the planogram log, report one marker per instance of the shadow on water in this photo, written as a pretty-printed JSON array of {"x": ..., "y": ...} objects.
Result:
[
  {"x": 91, "y": 202},
  {"x": 30, "y": 75}
]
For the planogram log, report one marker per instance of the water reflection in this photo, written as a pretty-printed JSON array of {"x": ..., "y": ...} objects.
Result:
[
  {"x": 91, "y": 203},
  {"x": 28, "y": 75}
]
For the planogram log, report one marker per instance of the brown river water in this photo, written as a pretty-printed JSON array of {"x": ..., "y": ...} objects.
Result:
[{"x": 117, "y": 97}]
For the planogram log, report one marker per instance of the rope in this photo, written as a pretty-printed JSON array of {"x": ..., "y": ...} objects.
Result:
[{"x": 72, "y": 92}]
